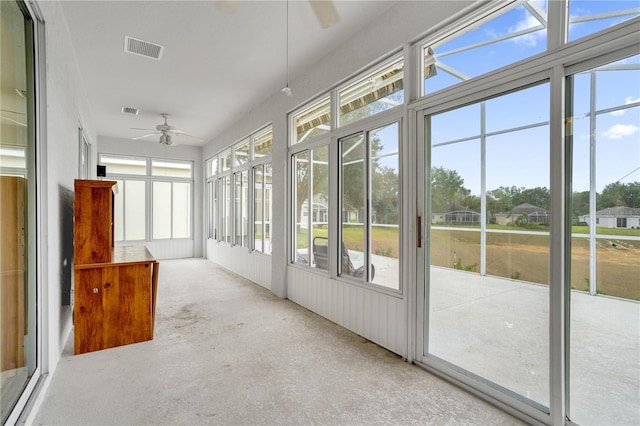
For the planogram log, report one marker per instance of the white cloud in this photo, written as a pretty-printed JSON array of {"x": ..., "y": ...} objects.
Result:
[
  {"x": 618, "y": 131},
  {"x": 627, "y": 101},
  {"x": 530, "y": 39}
]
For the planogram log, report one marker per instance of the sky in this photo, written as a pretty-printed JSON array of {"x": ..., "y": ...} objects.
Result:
[{"x": 521, "y": 158}]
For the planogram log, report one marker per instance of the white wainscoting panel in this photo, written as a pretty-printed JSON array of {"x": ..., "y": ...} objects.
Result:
[
  {"x": 253, "y": 266},
  {"x": 374, "y": 315},
  {"x": 166, "y": 249}
]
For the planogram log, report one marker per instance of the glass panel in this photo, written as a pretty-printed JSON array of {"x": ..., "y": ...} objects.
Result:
[
  {"x": 258, "y": 207},
  {"x": 225, "y": 160},
  {"x": 372, "y": 94},
  {"x": 320, "y": 206},
  {"x": 493, "y": 327},
  {"x": 18, "y": 315},
  {"x": 301, "y": 173},
  {"x": 181, "y": 219},
  {"x": 171, "y": 168},
  {"x": 510, "y": 35},
  {"x": 352, "y": 210},
  {"x": 135, "y": 211},
  {"x": 241, "y": 206},
  {"x": 227, "y": 208},
  {"x": 605, "y": 245},
  {"x": 385, "y": 206},
  {"x": 212, "y": 170},
  {"x": 212, "y": 196},
  {"x": 237, "y": 208},
  {"x": 263, "y": 144},
  {"x": 118, "y": 212},
  {"x": 124, "y": 165},
  {"x": 313, "y": 121},
  {"x": 587, "y": 16},
  {"x": 268, "y": 202},
  {"x": 161, "y": 210},
  {"x": 241, "y": 153}
]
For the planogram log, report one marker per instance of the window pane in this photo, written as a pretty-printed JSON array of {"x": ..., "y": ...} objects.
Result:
[
  {"x": 161, "y": 210},
  {"x": 301, "y": 173},
  {"x": 242, "y": 153},
  {"x": 511, "y": 34},
  {"x": 122, "y": 165},
  {"x": 181, "y": 210},
  {"x": 268, "y": 202},
  {"x": 352, "y": 211},
  {"x": 320, "y": 209},
  {"x": 171, "y": 168},
  {"x": 227, "y": 208},
  {"x": 241, "y": 200},
  {"x": 118, "y": 212},
  {"x": 385, "y": 206},
  {"x": 604, "y": 373},
  {"x": 489, "y": 248},
  {"x": 313, "y": 121},
  {"x": 376, "y": 92},
  {"x": 212, "y": 196},
  {"x": 263, "y": 144},
  {"x": 225, "y": 160},
  {"x": 135, "y": 210},
  {"x": 588, "y": 16},
  {"x": 212, "y": 167},
  {"x": 258, "y": 207}
]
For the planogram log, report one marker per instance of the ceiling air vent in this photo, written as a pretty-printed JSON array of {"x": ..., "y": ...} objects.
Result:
[
  {"x": 129, "y": 110},
  {"x": 142, "y": 48}
]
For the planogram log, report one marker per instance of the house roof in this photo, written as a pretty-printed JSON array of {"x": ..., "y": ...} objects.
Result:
[
  {"x": 618, "y": 211},
  {"x": 527, "y": 208}
]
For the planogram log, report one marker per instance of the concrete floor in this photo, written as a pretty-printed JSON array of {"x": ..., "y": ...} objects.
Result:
[{"x": 227, "y": 351}]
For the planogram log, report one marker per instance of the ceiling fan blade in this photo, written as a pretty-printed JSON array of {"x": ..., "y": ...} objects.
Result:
[
  {"x": 145, "y": 136},
  {"x": 181, "y": 133},
  {"x": 141, "y": 128},
  {"x": 326, "y": 12}
]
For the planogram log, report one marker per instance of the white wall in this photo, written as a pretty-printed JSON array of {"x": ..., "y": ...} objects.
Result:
[
  {"x": 405, "y": 23},
  {"x": 168, "y": 249},
  {"x": 66, "y": 109}
]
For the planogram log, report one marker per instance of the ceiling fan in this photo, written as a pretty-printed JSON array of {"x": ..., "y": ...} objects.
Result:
[
  {"x": 325, "y": 10},
  {"x": 167, "y": 132}
]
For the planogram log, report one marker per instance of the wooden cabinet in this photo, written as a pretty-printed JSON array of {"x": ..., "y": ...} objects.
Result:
[
  {"x": 115, "y": 287},
  {"x": 13, "y": 199},
  {"x": 93, "y": 221}
]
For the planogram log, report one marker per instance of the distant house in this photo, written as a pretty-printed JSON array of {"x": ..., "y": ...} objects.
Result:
[
  {"x": 533, "y": 214},
  {"x": 457, "y": 214},
  {"x": 615, "y": 217}
]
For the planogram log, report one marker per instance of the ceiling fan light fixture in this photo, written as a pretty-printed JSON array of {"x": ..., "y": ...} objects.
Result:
[{"x": 165, "y": 139}]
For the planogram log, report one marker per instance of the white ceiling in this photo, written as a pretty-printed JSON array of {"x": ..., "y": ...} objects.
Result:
[{"x": 217, "y": 64}]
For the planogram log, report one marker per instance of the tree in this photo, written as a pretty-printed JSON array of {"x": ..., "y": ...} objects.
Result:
[
  {"x": 446, "y": 188},
  {"x": 385, "y": 197},
  {"x": 619, "y": 194}
]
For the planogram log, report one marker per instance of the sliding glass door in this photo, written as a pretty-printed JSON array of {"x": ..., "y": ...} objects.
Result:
[
  {"x": 487, "y": 294},
  {"x": 18, "y": 357}
]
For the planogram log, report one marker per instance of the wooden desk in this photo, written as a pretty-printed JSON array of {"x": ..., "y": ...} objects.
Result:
[{"x": 115, "y": 302}]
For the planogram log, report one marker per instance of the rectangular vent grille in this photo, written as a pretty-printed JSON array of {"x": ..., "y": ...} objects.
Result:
[
  {"x": 129, "y": 110},
  {"x": 143, "y": 48}
]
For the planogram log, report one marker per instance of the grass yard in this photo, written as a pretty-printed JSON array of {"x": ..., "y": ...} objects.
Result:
[{"x": 515, "y": 256}]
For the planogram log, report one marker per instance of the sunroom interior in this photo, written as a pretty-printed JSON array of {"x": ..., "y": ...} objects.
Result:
[{"x": 430, "y": 180}]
